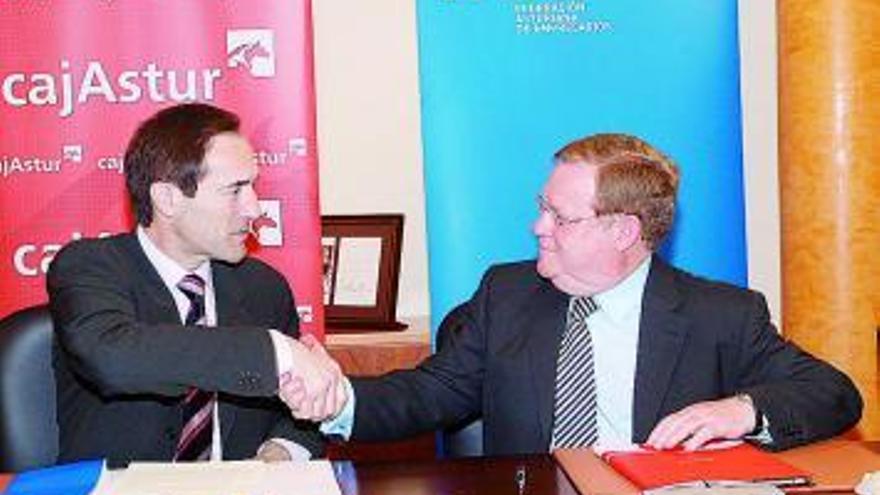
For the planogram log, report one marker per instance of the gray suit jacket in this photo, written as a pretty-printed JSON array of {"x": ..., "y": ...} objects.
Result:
[{"x": 698, "y": 340}]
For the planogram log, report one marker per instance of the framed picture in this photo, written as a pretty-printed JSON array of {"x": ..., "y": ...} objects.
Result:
[{"x": 361, "y": 269}]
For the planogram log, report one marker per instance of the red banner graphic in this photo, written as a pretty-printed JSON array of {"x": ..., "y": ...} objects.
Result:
[{"x": 76, "y": 78}]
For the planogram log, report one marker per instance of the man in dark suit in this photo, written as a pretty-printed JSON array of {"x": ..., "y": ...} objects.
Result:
[
  {"x": 599, "y": 341},
  {"x": 171, "y": 344}
]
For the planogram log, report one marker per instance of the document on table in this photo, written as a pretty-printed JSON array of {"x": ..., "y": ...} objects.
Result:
[{"x": 220, "y": 478}]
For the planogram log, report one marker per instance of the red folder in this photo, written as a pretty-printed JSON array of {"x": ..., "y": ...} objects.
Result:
[
  {"x": 649, "y": 469},
  {"x": 4, "y": 480}
]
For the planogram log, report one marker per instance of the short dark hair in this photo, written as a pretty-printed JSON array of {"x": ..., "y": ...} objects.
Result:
[
  {"x": 170, "y": 147},
  {"x": 634, "y": 178}
]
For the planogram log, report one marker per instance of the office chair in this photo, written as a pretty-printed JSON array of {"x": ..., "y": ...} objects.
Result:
[
  {"x": 466, "y": 438},
  {"x": 28, "y": 431}
]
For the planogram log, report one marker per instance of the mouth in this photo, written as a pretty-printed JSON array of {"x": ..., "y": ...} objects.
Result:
[{"x": 545, "y": 245}]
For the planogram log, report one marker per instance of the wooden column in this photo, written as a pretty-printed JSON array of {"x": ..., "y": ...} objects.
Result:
[{"x": 829, "y": 172}]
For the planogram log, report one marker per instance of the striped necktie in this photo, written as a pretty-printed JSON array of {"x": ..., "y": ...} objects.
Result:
[
  {"x": 574, "y": 409},
  {"x": 194, "y": 443}
]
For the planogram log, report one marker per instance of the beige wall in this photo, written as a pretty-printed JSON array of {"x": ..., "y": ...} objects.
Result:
[
  {"x": 758, "y": 78},
  {"x": 369, "y": 134},
  {"x": 369, "y": 137}
]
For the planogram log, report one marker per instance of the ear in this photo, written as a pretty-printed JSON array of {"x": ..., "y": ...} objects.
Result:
[
  {"x": 627, "y": 232},
  {"x": 167, "y": 199}
]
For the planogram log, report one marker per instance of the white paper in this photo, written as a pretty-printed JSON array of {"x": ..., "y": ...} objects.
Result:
[
  {"x": 870, "y": 484},
  {"x": 220, "y": 478},
  {"x": 357, "y": 271}
]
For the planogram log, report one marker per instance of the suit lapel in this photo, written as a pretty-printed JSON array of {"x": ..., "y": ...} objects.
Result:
[
  {"x": 547, "y": 323},
  {"x": 229, "y": 297},
  {"x": 160, "y": 302},
  {"x": 662, "y": 334}
]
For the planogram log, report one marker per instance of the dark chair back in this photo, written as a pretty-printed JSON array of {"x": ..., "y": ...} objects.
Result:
[
  {"x": 466, "y": 438},
  {"x": 28, "y": 431}
]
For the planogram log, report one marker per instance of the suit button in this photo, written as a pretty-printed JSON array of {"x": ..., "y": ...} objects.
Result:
[{"x": 170, "y": 433}]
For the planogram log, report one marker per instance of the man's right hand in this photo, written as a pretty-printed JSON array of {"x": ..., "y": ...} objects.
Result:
[{"x": 314, "y": 390}]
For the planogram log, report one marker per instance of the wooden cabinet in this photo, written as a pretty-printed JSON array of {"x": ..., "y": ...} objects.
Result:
[{"x": 371, "y": 354}]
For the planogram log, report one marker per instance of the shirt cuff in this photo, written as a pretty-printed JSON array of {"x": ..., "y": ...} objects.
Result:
[
  {"x": 296, "y": 451},
  {"x": 283, "y": 356},
  {"x": 764, "y": 437},
  {"x": 342, "y": 424}
]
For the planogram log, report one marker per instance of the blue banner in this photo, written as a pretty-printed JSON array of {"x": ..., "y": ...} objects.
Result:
[{"x": 505, "y": 83}]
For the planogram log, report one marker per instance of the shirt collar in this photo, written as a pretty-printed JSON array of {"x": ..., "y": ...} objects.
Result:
[
  {"x": 169, "y": 270},
  {"x": 621, "y": 300}
]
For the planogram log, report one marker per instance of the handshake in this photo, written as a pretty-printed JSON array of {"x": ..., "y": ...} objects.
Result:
[{"x": 313, "y": 388}]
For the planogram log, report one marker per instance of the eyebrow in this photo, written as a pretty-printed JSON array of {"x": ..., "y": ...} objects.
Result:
[{"x": 238, "y": 183}]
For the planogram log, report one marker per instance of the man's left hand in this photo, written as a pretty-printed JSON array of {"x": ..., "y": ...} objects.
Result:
[
  {"x": 700, "y": 423},
  {"x": 272, "y": 452}
]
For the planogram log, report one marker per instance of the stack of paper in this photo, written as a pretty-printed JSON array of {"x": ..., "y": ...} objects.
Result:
[{"x": 220, "y": 478}]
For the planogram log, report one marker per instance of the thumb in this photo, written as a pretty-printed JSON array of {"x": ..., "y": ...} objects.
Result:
[{"x": 309, "y": 341}]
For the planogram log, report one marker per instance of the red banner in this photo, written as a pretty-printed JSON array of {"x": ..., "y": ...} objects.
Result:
[{"x": 76, "y": 78}]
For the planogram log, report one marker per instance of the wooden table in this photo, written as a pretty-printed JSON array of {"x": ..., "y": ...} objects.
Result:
[
  {"x": 835, "y": 466},
  {"x": 474, "y": 476},
  {"x": 834, "y": 463}
]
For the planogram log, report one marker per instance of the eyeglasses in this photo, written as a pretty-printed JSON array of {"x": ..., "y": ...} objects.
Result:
[{"x": 559, "y": 220}]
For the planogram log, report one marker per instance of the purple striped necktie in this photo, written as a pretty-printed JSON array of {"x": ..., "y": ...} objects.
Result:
[{"x": 195, "y": 439}]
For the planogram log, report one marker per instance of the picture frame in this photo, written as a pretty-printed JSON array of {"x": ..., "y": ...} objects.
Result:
[{"x": 361, "y": 271}]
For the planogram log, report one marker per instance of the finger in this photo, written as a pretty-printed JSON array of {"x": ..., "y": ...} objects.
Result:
[
  {"x": 304, "y": 408},
  {"x": 697, "y": 438},
  {"x": 322, "y": 351},
  {"x": 707, "y": 433},
  {"x": 662, "y": 431},
  {"x": 316, "y": 390},
  {"x": 317, "y": 412},
  {"x": 341, "y": 398},
  {"x": 680, "y": 426},
  {"x": 309, "y": 341},
  {"x": 292, "y": 388},
  {"x": 330, "y": 401},
  {"x": 293, "y": 392},
  {"x": 293, "y": 401}
]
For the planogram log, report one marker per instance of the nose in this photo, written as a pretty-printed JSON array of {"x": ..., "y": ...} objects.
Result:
[
  {"x": 250, "y": 204},
  {"x": 543, "y": 225}
]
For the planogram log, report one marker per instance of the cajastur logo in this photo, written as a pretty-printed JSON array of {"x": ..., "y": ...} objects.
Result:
[
  {"x": 268, "y": 225},
  {"x": 298, "y": 146},
  {"x": 33, "y": 259},
  {"x": 72, "y": 153},
  {"x": 252, "y": 50},
  {"x": 306, "y": 313}
]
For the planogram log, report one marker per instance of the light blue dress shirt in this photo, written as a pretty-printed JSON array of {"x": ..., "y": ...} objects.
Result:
[{"x": 615, "y": 331}]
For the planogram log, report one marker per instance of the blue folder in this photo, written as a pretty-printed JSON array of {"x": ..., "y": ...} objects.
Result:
[{"x": 78, "y": 478}]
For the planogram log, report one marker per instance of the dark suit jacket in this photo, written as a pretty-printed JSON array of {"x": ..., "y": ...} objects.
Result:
[
  {"x": 698, "y": 341},
  {"x": 123, "y": 360}
]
